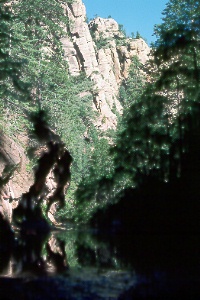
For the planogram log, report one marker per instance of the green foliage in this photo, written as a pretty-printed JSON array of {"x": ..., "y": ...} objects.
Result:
[
  {"x": 158, "y": 135},
  {"x": 121, "y": 41},
  {"x": 13, "y": 86},
  {"x": 122, "y": 30},
  {"x": 32, "y": 54},
  {"x": 93, "y": 28},
  {"x": 177, "y": 59},
  {"x": 160, "y": 124},
  {"x": 138, "y": 35},
  {"x": 102, "y": 42},
  {"x": 104, "y": 181},
  {"x": 93, "y": 189},
  {"x": 39, "y": 25},
  {"x": 132, "y": 87},
  {"x": 153, "y": 139},
  {"x": 132, "y": 35},
  {"x": 35, "y": 28},
  {"x": 10, "y": 67}
]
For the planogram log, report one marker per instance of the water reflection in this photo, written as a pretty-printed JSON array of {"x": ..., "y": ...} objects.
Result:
[
  {"x": 56, "y": 255},
  {"x": 149, "y": 264},
  {"x": 33, "y": 254},
  {"x": 164, "y": 265}
]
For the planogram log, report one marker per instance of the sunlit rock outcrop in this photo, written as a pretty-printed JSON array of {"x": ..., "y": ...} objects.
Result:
[
  {"x": 13, "y": 164},
  {"x": 104, "y": 54}
]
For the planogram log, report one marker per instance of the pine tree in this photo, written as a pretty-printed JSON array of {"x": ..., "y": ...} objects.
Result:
[
  {"x": 9, "y": 66},
  {"x": 177, "y": 58},
  {"x": 39, "y": 26},
  {"x": 132, "y": 86},
  {"x": 13, "y": 87},
  {"x": 153, "y": 140}
]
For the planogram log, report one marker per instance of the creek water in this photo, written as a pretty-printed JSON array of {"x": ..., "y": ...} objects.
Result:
[{"x": 90, "y": 266}]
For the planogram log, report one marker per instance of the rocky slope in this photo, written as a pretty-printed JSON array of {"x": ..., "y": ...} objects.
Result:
[{"x": 104, "y": 54}]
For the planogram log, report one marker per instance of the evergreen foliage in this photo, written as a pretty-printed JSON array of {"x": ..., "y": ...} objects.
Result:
[
  {"x": 32, "y": 62},
  {"x": 158, "y": 141},
  {"x": 94, "y": 189},
  {"x": 158, "y": 134},
  {"x": 131, "y": 87},
  {"x": 177, "y": 59},
  {"x": 10, "y": 67},
  {"x": 105, "y": 178},
  {"x": 159, "y": 121},
  {"x": 122, "y": 30}
]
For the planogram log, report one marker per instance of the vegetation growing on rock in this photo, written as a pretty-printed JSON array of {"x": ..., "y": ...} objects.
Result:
[{"x": 158, "y": 129}]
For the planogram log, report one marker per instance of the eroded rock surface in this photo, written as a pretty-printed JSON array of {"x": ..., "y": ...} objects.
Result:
[
  {"x": 104, "y": 54},
  {"x": 12, "y": 158}
]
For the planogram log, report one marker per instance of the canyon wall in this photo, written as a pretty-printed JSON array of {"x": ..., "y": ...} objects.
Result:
[
  {"x": 13, "y": 160},
  {"x": 100, "y": 49}
]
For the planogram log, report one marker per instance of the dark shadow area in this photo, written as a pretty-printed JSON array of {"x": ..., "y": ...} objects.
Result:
[
  {"x": 22, "y": 243},
  {"x": 154, "y": 208},
  {"x": 154, "y": 228},
  {"x": 165, "y": 266},
  {"x": 33, "y": 255}
]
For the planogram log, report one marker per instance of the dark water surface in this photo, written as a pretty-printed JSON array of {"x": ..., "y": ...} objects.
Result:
[{"x": 79, "y": 264}]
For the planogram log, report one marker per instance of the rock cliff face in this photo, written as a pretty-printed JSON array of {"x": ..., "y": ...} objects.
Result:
[
  {"x": 101, "y": 51},
  {"x": 104, "y": 54},
  {"x": 12, "y": 157}
]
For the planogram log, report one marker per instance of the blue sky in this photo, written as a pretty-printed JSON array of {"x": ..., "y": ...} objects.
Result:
[{"x": 134, "y": 15}]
